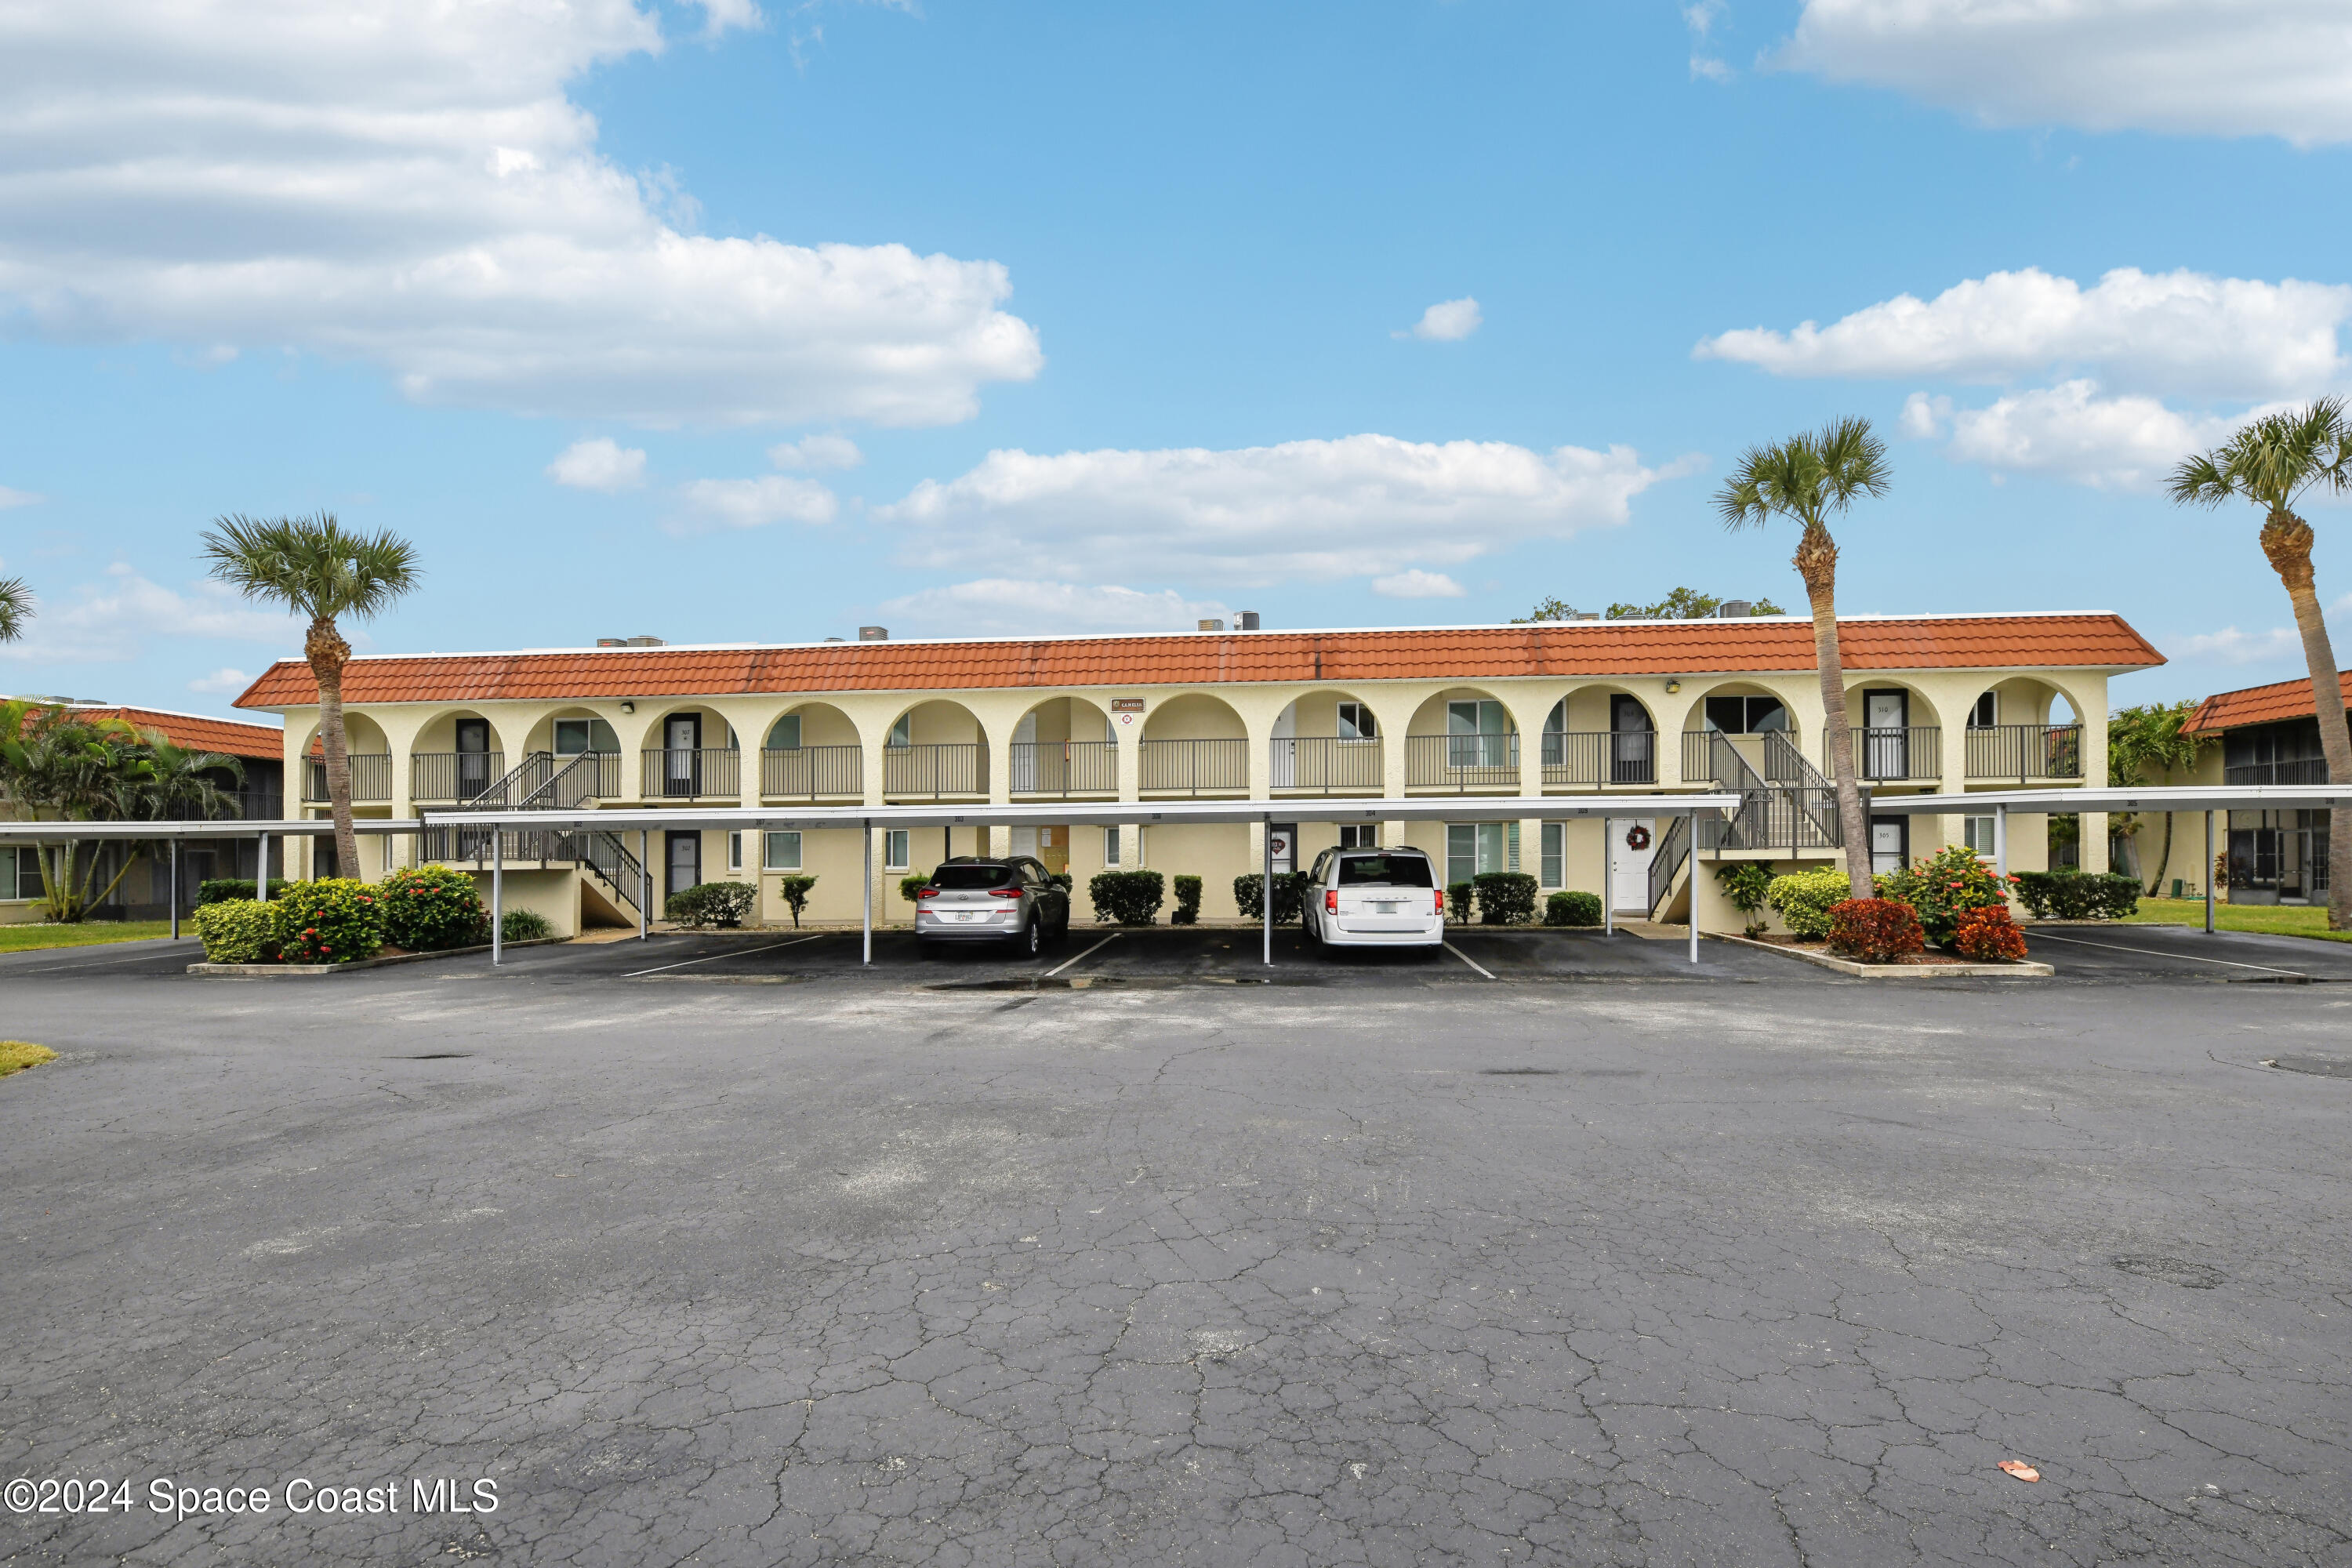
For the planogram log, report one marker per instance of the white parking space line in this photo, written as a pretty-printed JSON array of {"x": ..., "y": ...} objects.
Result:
[
  {"x": 1088, "y": 953},
  {"x": 741, "y": 952},
  {"x": 1470, "y": 960},
  {"x": 2159, "y": 953},
  {"x": 55, "y": 968}
]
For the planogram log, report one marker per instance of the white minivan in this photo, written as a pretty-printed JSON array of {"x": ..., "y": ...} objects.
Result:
[{"x": 1374, "y": 898}]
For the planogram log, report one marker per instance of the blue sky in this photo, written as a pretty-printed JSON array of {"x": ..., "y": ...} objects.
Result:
[{"x": 753, "y": 322}]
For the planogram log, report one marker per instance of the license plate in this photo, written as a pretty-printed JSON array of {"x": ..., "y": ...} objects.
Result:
[
  {"x": 1386, "y": 909},
  {"x": 962, "y": 916}
]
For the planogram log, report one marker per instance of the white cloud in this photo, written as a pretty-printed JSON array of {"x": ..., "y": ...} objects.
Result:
[
  {"x": 1700, "y": 17},
  {"x": 2280, "y": 68},
  {"x": 751, "y": 503},
  {"x": 1417, "y": 584},
  {"x": 9, "y": 497},
  {"x": 2127, "y": 443},
  {"x": 1923, "y": 417},
  {"x": 110, "y": 621},
  {"x": 2230, "y": 646},
  {"x": 1359, "y": 506},
  {"x": 601, "y": 464},
  {"x": 406, "y": 184},
  {"x": 2186, "y": 333},
  {"x": 1003, "y": 606},
  {"x": 818, "y": 452},
  {"x": 1709, "y": 68},
  {"x": 222, "y": 681},
  {"x": 1447, "y": 322}
]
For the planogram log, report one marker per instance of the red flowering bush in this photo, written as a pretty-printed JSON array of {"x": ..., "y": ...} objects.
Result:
[
  {"x": 432, "y": 906},
  {"x": 1990, "y": 936},
  {"x": 332, "y": 920},
  {"x": 1875, "y": 930},
  {"x": 1944, "y": 889}
]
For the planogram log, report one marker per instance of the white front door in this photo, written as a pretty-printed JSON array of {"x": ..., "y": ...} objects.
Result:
[
  {"x": 1889, "y": 844},
  {"x": 1886, "y": 741},
  {"x": 1628, "y": 865}
]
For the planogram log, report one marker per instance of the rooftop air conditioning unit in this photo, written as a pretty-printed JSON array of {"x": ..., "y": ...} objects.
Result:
[
  {"x": 1734, "y": 610},
  {"x": 1246, "y": 621},
  {"x": 1210, "y": 626},
  {"x": 874, "y": 634},
  {"x": 642, "y": 642},
  {"x": 611, "y": 642}
]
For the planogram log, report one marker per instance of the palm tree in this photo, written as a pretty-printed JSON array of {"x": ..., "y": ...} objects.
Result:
[
  {"x": 1806, "y": 479},
  {"x": 2152, "y": 736},
  {"x": 315, "y": 568},
  {"x": 54, "y": 763},
  {"x": 16, "y": 607},
  {"x": 2271, "y": 462}
]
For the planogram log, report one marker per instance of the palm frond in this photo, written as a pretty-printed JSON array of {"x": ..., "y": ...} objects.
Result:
[
  {"x": 2273, "y": 459},
  {"x": 314, "y": 565},
  {"x": 16, "y": 607}
]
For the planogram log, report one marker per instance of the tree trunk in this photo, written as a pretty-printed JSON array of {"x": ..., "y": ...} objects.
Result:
[
  {"x": 2286, "y": 541},
  {"x": 327, "y": 653},
  {"x": 2165, "y": 862},
  {"x": 1816, "y": 562}
]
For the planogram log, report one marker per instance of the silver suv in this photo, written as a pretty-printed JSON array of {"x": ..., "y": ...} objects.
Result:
[{"x": 1015, "y": 900}]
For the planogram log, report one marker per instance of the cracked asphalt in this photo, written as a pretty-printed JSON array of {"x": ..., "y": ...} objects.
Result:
[{"x": 1773, "y": 1269}]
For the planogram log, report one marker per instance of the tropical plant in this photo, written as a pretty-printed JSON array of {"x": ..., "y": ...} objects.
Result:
[
  {"x": 427, "y": 908},
  {"x": 1457, "y": 901},
  {"x": 911, "y": 888},
  {"x": 55, "y": 763},
  {"x": 229, "y": 890},
  {"x": 2151, "y": 736},
  {"x": 794, "y": 890},
  {"x": 16, "y": 607},
  {"x": 1802, "y": 900},
  {"x": 1990, "y": 936},
  {"x": 1746, "y": 883},
  {"x": 1809, "y": 479},
  {"x": 1572, "y": 907},
  {"x": 525, "y": 925},
  {"x": 179, "y": 784},
  {"x": 1943, "y": 888},
  {"x": 1289, "y": 894},
  {"x": 319, "y": 570},
  {"x": 2272, "y": 461},
  {"x": 722, "y": 904},
  {"x": 1505, "y": 898},
  {"x": 1131, "y": 898},
  {"x": 334, "y": 919},
  {"x": 237, "y": 930},
  {"x": 1875, "y": 930}
]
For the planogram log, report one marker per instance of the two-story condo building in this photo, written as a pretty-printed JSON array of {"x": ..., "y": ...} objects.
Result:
[{"x": 1631, "y": 710}]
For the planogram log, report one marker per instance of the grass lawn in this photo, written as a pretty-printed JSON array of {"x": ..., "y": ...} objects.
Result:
[
  {"x": 2270, "y": 920},
  {"x": 17, "y": 1055},
  {"x": 90, "y": 933}
]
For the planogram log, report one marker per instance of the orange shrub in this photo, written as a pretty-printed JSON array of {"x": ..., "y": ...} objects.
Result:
[
  {"x": 1990, "y": 936},
  {"x": 1875, "y": 930}
]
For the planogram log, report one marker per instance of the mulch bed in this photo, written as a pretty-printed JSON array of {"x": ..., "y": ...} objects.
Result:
[{"x": 1930, "y": 960}]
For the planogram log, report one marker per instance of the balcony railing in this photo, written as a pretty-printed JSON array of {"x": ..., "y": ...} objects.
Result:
[
  {"x": 1462, "y": 762},
  {"x": 453, "y": 775},
  {"x": 1594, "y": 757},
  {"x": 1196, "y": 767},
  {"x": 371, "y": 776},
  {"x": 813, "y": 772},
  {"x": 2023, "y": 751},
  {"x": 1065, "y": 767},
  {"x": 2300, "y": 770},
  {"x": 707, "y": 773},
  {"x": 1325, "y": 764},
  {"x": 596, "y": 773},
  {"x": 1914, "y": 753},
  {"x": 960, "y": 768}
]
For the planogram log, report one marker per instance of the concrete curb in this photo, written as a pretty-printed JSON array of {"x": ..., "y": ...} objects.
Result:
[
  {"x": 315, "y": 971},
  {"x": 2026, "y": 971}
]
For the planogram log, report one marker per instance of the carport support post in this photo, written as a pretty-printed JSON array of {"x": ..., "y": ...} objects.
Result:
[
  {"x": 175, "y": 889},
  {"x": 868, "y": 880},
  {"x": 2208, "y": 873},
  {"x": 498, "y": 891},
  {"x": 1609, "y": 878},
  {"x": 1690, "y": 836},
  {"x": 645, "y": 882},
  {"x": 261, "y": 872},
  {"x": 2000, "y": 841},
  {"x": 1265, "y": 888}
]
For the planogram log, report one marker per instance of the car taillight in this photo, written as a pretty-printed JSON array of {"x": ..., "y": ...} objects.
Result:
[
  {"x": 1440, "y": 902},
  {"x": 1331, "y": 901},
  {"x": 929, "y": 893},
  {"x": 1004, "y": 892}
]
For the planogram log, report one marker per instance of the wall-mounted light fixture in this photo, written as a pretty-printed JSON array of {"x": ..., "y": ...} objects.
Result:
[
  {"x": 628, "y": 706},
  {"x": 1672, "y": 686}
]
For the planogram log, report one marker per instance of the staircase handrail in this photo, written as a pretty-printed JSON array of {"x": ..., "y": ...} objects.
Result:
[{"x": 1674, "y": 850}]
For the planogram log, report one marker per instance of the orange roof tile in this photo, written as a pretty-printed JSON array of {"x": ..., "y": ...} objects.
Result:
[
  {"x": 2260, "y": 705},
  {"x": 1554, "y": 648},
  {"x": 195, "y": 733}
]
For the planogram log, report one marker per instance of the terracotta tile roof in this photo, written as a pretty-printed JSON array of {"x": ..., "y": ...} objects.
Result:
[
  {"x": 1568, "y": 649},
  {"x": 200, "y": 734},
  {"x": 2260, "y": 705}
]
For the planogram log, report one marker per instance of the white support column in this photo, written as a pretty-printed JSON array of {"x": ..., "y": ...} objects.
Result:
[
  {"x": 1265, "y": 888},
  {"x": 645, "y": 883},
  {"x": 261, "y": 872},
  {"x": 1690, "y": 836},
  {"x": 2000, "y": 840},
  {"x": 498, "y": 893},
  {"x": 1609, "y": 878},
  {"x": 869, "y": 893},
  {"x": 2208, "y": 873},
  {"x": 175, "y": 884}
]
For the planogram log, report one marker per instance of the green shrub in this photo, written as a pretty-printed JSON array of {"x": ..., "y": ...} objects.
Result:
[
  {"x": 334, "y": 919},
  {"x": 1572, "y": 909},
  {"x": 794, "y": 890},
  {"x": 1187, "y": 902},
  {"x": 709, "y": 904},
  {"x": 1746, "y": 883},
  {"x": 430, "y": 908},
  {"x": 1802, "y": 900},
  {"x": 2072, "y": 895},
  {"x": 1875, "y": 930},
  {"x": 1129, "y": 898},
  {"x": 1942, "y": 889},
  {"x": 1457, "y": 902},
  {"x": 221, "y": 889},
  {"x": 237, "y": 930},
  {"x": 1505, "y": 898},
  {"x": 911, "y": 888},
  {"x": 524, "y": 925},
  {"x": 1289, "y": 893}
]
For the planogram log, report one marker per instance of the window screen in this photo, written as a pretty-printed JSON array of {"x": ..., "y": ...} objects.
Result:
[
  {"x": 894, "y": 849},
  {"x": 1555, "y": 853},
  {"x": 1360, "y": 836},
  {"x": 1985, "y": 713},
  {"x": 1746, "y": 715},
  {"x": 734, "y": 851},
  {"x": 1356, "y": 722},
  {"x": 784, "y": 852}
]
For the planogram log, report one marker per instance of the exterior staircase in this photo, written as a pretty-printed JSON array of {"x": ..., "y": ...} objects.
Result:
[
  {"x": 543, "y": 782},
  {"x": 1790, "y": 806}
]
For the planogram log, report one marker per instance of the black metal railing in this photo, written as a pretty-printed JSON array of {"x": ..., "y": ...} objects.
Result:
[
  {"x": 1673, "y": 852},
  {"x": 597, "y": 774},
  {"x": 453, "y": 775},
  {"x": 371, "y": 776},
  {"x": 1462, "y": 762},
  {"x": 2023, "y": 751},
  {"x": 2299, "y": 770},
  {"x": 601, "y": 852},
  {"x": 1810, "y": 795},
  {"x": 569, "y": 781},
  {"x": 1196, "y": 767},
  {"x": 1325, "y": 764},
  {"x": 1065, "y": 767},
  {"x": 693, "y": 773},
  {"x": 953, "y": 768},
  {"x": 812, "y": 773},
  {"x": 1796, "y": 810},
  {"x": 1599, "y": 757},
  {"x": 1914, "y": 751}
]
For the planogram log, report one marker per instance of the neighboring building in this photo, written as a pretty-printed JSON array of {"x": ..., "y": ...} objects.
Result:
[
  {"x": 145, "y": 893},
  {"x": 1631, "y": 709},
  {"x": 2268, "y": 735}
]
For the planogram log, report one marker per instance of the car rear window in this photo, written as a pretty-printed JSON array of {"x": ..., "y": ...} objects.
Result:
[
  {"x": 1385, "y": 871},
  {"x": 973, "y": 879}
]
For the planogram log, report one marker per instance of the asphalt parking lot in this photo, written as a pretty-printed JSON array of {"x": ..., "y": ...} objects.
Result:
[{"x": 1386, "y": 1263}]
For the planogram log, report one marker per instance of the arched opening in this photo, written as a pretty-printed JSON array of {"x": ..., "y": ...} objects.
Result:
[
  {"x": 1326, "y": 743},
  {"x": 1462, "y": 739},
  {"x": 369, "y": 753},
  {"x": 1894, "y": 731},
  {"x": 934, "y": 750},
  {"x": 584, "y": 749},
  {"x": 1063, "y": 747},
  {"x": 1196, "y": 744},
  {"x": 2023, "y": 729},
  {"x": 691, "y": 752},
  {"x": 1740, "y": 732},
  {"x": 812, "y": 751},
  {"x": 1599, "y": 735}
]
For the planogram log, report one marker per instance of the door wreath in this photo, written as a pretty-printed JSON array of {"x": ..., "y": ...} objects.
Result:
[{"x": 1637, "y": 837}]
